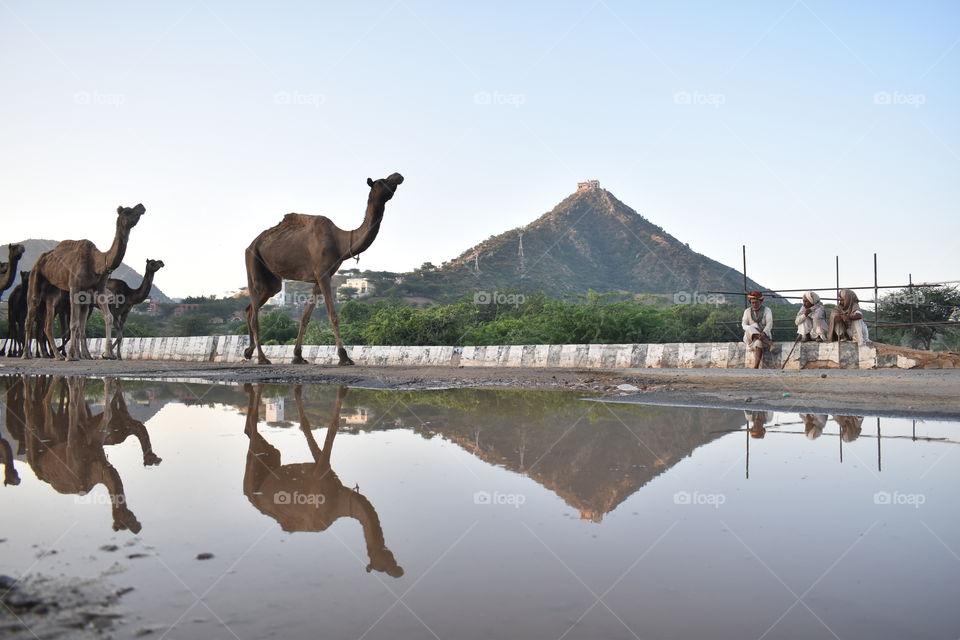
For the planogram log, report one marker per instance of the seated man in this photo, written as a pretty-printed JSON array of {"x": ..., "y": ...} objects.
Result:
[
  {"x": 813, "y": 424},
  {"x": 757, "y": 323},
  {"x": 846, "y": 321},
  {"x": 811, "y": 319}
]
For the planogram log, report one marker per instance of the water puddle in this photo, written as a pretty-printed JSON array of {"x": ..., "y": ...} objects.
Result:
[{"x": 181, "y": 510}]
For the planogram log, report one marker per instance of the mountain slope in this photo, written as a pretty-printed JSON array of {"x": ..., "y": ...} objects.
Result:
[
  {"x": 33, "y": 248},
  {"x": 590, "y": 240}
]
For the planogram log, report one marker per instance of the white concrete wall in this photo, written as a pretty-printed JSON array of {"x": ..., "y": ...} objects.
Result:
[{"x": 229, "y": 349}]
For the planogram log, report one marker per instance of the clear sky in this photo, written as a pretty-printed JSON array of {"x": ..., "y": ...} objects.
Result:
[{"x": 805, "y": 128}]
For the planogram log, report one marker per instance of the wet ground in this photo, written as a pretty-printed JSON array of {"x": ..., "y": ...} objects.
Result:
[
  {"x": 893, "y": 392},
  {"x": 140, "y": 508}
]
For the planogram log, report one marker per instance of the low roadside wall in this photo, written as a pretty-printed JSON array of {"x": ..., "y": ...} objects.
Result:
[{"x": 811, "y": 355}]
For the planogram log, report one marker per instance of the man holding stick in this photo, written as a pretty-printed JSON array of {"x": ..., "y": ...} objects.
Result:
[{"x": 757, "y": 323}]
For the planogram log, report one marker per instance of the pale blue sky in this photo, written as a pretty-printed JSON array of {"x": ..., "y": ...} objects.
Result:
[{"x": 832, "y": 125}]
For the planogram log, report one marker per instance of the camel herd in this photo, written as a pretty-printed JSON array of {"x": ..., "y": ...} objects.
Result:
[{"x": 73, "y": 277}]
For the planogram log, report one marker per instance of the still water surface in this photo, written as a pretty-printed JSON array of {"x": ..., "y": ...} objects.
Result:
[{"x": 353, "y": 513}]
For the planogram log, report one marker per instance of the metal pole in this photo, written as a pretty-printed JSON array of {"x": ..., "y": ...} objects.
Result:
[
  {"x": 912, "y": 299},
  {"x": 876, "y": 301},
  {"x": 879, "y": 467},
  {"x": 745, "y": 290}
]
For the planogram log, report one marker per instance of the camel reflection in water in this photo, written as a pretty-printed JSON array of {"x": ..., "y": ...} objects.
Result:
[
  {"x": 308, "y": 496},
  {"x": 64, "y": 440}
]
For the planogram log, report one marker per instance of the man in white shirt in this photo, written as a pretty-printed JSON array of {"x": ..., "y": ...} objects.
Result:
[{"x": 757, "y": 323}]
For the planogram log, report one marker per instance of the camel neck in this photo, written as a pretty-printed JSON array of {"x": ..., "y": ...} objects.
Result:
[
  {"x": 114, "y": 255},
  {"x": 359, "y": 240},
  {"x": 140, "y": 293},
  {"x": 366, "y": 515}
]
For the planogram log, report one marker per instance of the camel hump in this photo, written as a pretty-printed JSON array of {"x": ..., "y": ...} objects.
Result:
[{"x": 298, "y": 219}]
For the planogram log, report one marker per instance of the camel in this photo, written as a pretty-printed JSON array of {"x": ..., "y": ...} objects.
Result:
[
  {"x": 309, "y": 496},
  {"x": 8, "y": 270},
  {"x": 17, "y": 315},
  {"x": 309, "y": 249},
  {"x": 124, "y": 298},
  {"x": 77, "y": 266},
  {"x": 65, "y": 443}
]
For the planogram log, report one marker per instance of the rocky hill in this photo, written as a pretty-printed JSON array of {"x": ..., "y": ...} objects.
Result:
[
  {"x": 591, "y": 240},
  {"x": 33, "y": 248}
]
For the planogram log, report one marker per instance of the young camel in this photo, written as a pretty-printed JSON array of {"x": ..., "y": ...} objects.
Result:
[
  {"x": 124, "y": 298},
  {"x": 309, "y": 249},
  {"x": 78, "y": 267}
]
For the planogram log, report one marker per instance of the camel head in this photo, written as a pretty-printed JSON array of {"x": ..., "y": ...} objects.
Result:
[
  {"x": 130, "y": 216},
  {"x": 154, "y": 265},
  {"x": 16, "y": 251},
  {"x": 384, "y": 188}
]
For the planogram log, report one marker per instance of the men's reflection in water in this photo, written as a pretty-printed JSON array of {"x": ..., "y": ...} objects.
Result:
[
  {"x": 65, "y": 440},
  {"x": 850, "y": 427},
  {"x": 813, "y": 424},
  {"x": 756, "y": 421},
  {"x": 308, "y": 496}
]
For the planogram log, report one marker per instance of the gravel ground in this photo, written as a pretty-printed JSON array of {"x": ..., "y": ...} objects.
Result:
[{"x": 913, "y": 393}]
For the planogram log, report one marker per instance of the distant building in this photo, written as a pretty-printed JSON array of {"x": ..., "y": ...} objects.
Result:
[
  {"x": 275, "y": 410},
  {"x": 587, "y": 185},
  {"x": 362, "y": 286},
  {"x": 360, "y": 415}
]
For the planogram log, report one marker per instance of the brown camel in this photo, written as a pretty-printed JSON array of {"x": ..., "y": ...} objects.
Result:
[
  {"x": 124, "y": 298},
  {"x": 309, "y": 496},
  {"x": 65, "y": 443},
  {"x": 8, "y": 270},
  {"x": 77, "y": 266},
  {"x": 309, "y": 249},
  {"x": 17, "y": 314}
]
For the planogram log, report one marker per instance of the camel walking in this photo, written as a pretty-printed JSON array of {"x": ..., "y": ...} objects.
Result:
[
  {"x": 309, "y": 249},
  {"x": 78, "y": 267},
  {"x": 123, "y": 298}
]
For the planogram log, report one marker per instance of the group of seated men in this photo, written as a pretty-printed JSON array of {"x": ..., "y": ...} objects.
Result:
[{"x": 846, "y": 322}]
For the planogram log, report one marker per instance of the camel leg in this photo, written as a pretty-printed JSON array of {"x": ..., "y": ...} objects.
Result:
[
  {"x": 324, "y": 284},
  {"x": 76, "y": 311},
  {"x": 33, "y": 305},
  {"x": 48, "y": 343},
  {"x": 104, "y": 305},
  {"x": 253, "y": 325},
  {"x": 119, "y": 321},
  {"x": 261, "y": 284},
  {"x": 84, "y": 317},
  {"x": 304, "y": 321}
]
